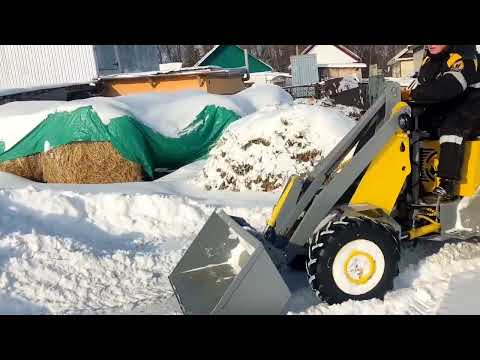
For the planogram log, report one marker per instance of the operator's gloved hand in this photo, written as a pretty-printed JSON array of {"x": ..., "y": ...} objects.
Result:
[{"x": 406, "y": 95}]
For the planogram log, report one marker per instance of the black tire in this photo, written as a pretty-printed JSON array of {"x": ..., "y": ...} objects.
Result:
[{"x": 326, "y": 243}]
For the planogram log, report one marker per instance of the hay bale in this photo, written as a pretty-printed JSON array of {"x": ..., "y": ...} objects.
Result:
[
  {"x": 88, "y": 163},
  {"x": 76, "y": 163},
  {"x": 29, "y": 167}
]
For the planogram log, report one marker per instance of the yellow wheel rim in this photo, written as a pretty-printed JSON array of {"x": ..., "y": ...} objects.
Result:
[{"x": 359, "y": 267}]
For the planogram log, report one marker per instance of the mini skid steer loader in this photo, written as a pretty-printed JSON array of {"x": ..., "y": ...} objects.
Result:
[{"x": 345, "y": 226}]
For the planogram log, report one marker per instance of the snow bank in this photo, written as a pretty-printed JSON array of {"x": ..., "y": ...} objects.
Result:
[
  {"x": 166, "y": 113},
  {"x": 111, "y": 251},
  {"x": 62, "y": 252},
  {"x": 260, "y": 151}
]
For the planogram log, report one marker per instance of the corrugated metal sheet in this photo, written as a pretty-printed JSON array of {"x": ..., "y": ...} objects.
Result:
[
  {"x": 304, "y": 70},
  {"x": 136, "y": 58},
  {"x": 37, "y": 65}
]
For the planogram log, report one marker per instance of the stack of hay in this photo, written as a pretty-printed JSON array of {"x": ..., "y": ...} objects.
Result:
[
  {"x": 121, "y": 139},
  {"x": 76, "y": 163}
]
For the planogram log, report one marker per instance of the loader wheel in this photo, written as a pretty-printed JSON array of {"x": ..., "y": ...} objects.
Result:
[{"x": 352, "y": 258}]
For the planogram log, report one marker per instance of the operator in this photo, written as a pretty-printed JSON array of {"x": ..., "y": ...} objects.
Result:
[{"x": 449, "y": 87}]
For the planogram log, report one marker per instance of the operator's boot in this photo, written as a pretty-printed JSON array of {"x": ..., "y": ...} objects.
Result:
[{"x": 446, "y": 190}]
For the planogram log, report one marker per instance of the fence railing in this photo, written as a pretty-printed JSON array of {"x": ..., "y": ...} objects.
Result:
[
  {"x": 305, "y": 91},
  {"x": 357, "y": 97}
]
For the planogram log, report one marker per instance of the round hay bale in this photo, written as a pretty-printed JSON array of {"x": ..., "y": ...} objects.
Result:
[
  {"x": 29, "y": 167},
  {"x": 88, "y": 163}
]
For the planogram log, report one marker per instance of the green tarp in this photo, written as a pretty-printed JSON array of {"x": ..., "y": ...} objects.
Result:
[{"x": 133, "y": 140}]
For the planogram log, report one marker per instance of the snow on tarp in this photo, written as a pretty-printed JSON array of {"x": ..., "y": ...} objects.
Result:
[{"x": 154, "y": 130}]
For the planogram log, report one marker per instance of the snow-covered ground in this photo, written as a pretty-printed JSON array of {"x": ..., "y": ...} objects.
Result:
[
  {"x": 81, "y": 249},
  {"x": 111, "y": 250},
  {"x": 67, "y": 251}
]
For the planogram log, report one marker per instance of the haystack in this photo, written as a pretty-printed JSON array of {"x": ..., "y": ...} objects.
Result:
[
  {"x": 29, "y": 167},
  {"x": 77, "y": 163}
]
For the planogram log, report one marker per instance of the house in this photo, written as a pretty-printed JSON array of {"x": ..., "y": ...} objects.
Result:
[
  {"x": 43, "y": 65},
  {"x": 232, "y": 56},
  {"x": 335, "y": 61},
  {"x": 402, "y": 64}
]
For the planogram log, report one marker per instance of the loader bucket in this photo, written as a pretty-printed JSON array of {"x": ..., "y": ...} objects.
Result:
[{"x": 226, "y": 270}]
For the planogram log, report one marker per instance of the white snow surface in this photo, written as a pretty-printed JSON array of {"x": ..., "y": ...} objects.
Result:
[
  {"x": 167, "y": 113},
  {"x": 347, "y": 83},
  {"x": 65, "y": 252},
  {"x": 111, "y": 250}
]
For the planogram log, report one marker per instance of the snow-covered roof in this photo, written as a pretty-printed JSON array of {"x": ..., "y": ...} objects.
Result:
[
  {"x": 345, "y": 65},
  {"x": 195, "y": 70},
  {"x": 271, "y": 74},
  {"x": 400, "y": 56},
  {"x": 312, "y": 49},
  {"x": 174, "y": 66}
]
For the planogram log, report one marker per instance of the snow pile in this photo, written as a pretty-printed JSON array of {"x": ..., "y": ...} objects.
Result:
[
  {"x": 62, "y": 252},
  {"x": 166, "y": 113},
  {"x": 261, "y": 151},
  {"x": 420, "y": 287},
  {"x": 347, "y": 83}
]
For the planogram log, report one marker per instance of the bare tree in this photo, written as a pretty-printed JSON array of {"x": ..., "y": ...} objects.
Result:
[{"x": 278, "y": 56}]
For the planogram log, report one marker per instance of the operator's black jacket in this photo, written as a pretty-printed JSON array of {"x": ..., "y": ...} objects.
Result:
[
  {"x": 448, "y": 75},
  {"x": 450, "y": 83}
]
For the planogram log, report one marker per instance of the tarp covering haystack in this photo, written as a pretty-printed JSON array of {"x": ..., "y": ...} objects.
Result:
[{"x": 121, "y": 139}]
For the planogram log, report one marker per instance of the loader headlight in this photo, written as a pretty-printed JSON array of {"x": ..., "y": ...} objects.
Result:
[{"x": 405, "y": 122}]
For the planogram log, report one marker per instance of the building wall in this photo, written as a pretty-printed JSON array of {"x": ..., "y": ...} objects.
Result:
[
  {"x": 127, "y": 86},
  {"x": 407, "y": 68},
  {"x": 397, "y": 70},
  {"x": 227, "y": 86},
  {"x": 38, "y": 65},
  {"x": 339, "y": 72},
  {"x": 144, "y": 84},
  {"x": 417, "y": 59},
  {"x": 304, "y": 70}
]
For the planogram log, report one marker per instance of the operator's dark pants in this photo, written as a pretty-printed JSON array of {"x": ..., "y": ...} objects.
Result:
[{"x": 455, "y": 122}]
